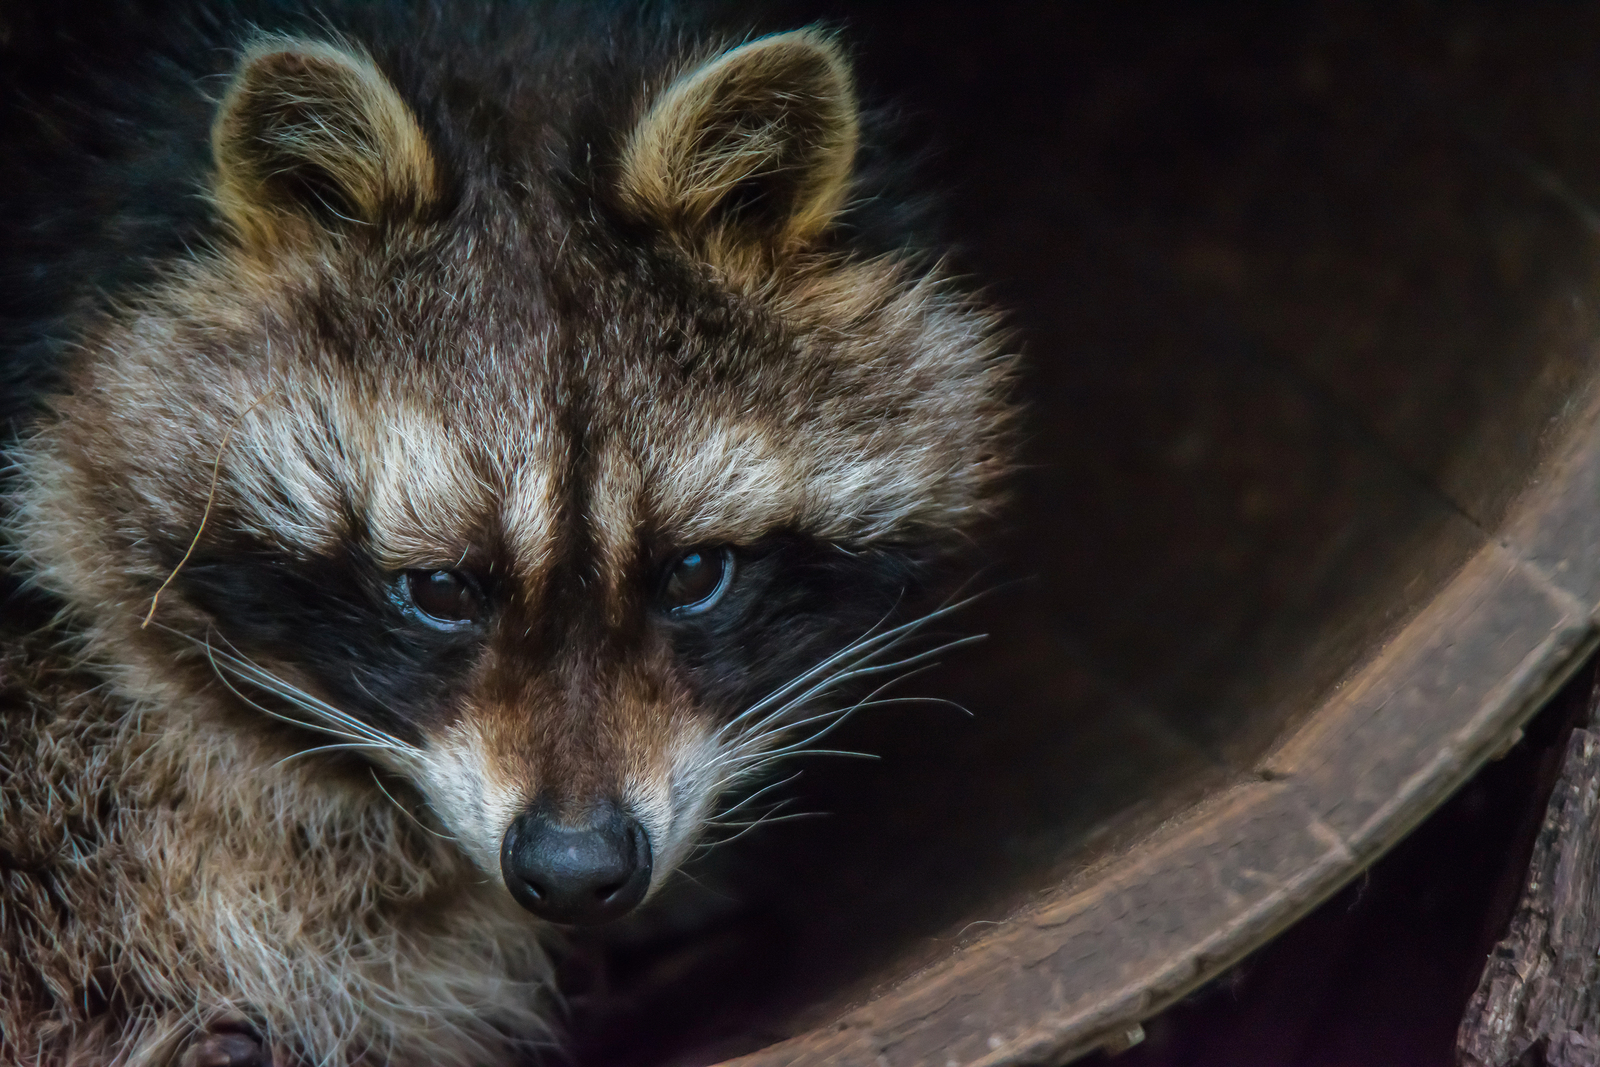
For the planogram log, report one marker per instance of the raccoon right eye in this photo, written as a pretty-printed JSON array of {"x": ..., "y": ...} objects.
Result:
[
  {"x": 443, "y": 598},
  {"x": 696, "y": 580}
]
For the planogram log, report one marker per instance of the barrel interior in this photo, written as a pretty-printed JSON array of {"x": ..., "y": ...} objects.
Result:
[{"x": 1306, "y": 293}]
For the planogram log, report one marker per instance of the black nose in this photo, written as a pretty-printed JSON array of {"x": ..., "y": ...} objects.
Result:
[{"x": 585, "y": 874}]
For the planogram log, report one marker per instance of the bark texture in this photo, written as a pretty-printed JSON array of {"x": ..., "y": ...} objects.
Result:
[{"x": 1538, "y": 1002}]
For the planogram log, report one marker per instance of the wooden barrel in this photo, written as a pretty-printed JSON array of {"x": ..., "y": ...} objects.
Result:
[{"x": 1311, "y": 524}]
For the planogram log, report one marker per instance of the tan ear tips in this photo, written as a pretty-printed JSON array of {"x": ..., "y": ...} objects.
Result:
[
  {"x": 757, "y": 142},
  {"x": 312, "y": 132}
]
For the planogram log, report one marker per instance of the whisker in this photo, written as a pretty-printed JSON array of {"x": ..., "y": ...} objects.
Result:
[
  {"x": 407, "y": 811},
  {"x": 343, "y": 747},
  {"x": 746, "y": 742},
  {"x": 706, "y": 846},
  {"x": 787, "y": 753},
  {"x": 254, "y": 672},
  {"x": 860, "y": 706},
  {"x": 859, "y": 647},
  {"x": 335, "y": 723},
  {"x": 771, "y": 811},
  {"x": 759, "y": 792},
  {"x": 760, "y": 731},
  {"x": 776, "y": 720},
  {"x": 291, "y": 720},
  {"x": 733, "y": 830},
  {"x": 773, "y": 722},
  {"x": 355, "y": 734}
]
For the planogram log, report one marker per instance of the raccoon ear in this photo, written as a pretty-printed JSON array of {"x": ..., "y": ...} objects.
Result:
[
  {"x": 311, "y": 133},
  {"x": 753, "y": 148}
]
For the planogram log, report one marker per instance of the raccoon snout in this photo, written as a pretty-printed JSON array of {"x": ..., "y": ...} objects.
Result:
[{"x": 579, "y": 875}]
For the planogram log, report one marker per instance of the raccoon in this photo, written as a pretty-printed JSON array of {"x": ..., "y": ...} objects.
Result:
[{"x": 451, "y": 449}]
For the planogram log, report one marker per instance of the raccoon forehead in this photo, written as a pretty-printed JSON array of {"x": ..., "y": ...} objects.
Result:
[
  {"x": 881, "y": 420},
  {"x": 865, "y": 415},
  {"x": 425, "y": 489},
  {"x": 420, "y": 482},
  {"x": 738, "y": 481},
  {"x": 434, "y": 492}
]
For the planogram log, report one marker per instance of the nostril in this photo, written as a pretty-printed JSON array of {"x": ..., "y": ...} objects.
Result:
[{"x": 579, "y": 874}]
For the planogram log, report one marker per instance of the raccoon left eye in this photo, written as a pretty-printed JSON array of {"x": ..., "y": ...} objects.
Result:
[
  {"x": 696, "y": 580},
  {"x": 442, "y": 597}
]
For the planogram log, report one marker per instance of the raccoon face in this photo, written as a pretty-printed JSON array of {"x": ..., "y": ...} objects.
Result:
[{"x": 571, "y": 506}]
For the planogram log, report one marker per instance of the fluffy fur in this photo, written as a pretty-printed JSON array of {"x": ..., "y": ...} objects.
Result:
[{"x": 540, "y": 295}]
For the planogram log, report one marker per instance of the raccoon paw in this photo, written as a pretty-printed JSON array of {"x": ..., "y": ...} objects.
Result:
[{"x": 226, "y": 1048}]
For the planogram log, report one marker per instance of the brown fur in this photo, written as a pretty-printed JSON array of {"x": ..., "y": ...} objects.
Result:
[
  {"x": 302, "y": 111},
  {"x": 695, "y": 148},
  {"x": 458, "y": 375},
  {"x": 163, "y": 874}
]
